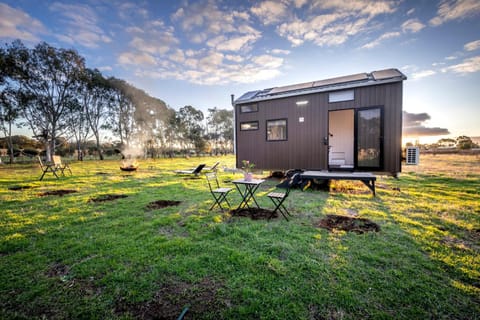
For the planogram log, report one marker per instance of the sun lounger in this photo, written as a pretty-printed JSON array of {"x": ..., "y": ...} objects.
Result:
[{"x": 194, "y": 172}]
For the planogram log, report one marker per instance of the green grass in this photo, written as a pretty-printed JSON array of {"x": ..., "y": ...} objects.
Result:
[{"x": 71, "y": 258}]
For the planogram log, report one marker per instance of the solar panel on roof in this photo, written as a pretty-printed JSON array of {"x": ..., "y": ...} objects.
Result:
[
  {"x": 338, "y": 80},
  {"x": 248, "y": 95},
  {"x": 292, "y": 87},
  {"x": 386, "y": 74}
]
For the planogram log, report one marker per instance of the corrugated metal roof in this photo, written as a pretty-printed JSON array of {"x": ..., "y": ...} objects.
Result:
[{"x": 338, "y": 83}]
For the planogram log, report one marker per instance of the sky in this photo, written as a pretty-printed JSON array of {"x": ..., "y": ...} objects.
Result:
[{"x": 200, "y": 52}]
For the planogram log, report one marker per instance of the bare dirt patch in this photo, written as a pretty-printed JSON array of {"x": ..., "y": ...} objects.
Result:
[
  {"x": 350, "y": 224},
  {"x": 108, "y": 197},
  {"x": 18, "y": 188},
  {"x": 193, "y": 300},
  {"x": 57, "y": 270},
  {"x": 254, "y": 213},
  {"x": 159, "y": 204},
  {"x": 59, "y": 193}
]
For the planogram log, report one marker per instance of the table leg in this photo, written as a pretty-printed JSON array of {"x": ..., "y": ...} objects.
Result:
[{"x": 251, "y": 191}]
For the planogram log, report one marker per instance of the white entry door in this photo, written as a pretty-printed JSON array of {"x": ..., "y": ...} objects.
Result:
[{"x": 341, "y": 127}]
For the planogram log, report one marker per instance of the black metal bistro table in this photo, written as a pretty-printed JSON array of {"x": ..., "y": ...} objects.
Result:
[{"x": 247, "y": 191}]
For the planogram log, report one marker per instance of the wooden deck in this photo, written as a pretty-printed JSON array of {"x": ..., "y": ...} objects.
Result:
[{"x": 366, "y": 177}]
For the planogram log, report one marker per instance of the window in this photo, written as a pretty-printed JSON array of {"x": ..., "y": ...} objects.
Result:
[
  {"x": 249, "y": 108},
  {"x": 338, "y": 96},
  {"x": 277, "y": 130},
  {"x": 247, "y": 126}
]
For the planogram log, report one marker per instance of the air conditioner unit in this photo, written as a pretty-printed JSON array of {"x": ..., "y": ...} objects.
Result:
[{"x": 413, "y": 155}]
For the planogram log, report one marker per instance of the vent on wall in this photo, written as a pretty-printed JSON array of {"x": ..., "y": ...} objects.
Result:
[{"x": 413, "y": 155}]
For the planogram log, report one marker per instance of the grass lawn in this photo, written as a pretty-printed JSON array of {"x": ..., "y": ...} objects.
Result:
[{"x": 90, "y": 255}]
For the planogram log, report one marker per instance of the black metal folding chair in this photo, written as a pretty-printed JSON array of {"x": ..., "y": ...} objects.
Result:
[
  {"x": 218, "y": 193},
  {"x": 278, "y": 198}
]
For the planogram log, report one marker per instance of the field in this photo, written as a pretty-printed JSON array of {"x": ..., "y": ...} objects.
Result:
[{"x": 107, "y": 244}]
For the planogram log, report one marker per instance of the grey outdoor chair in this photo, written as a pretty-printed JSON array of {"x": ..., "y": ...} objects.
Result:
[{"x": 218, "y": 193}]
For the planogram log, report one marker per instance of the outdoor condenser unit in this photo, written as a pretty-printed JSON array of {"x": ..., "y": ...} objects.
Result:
[{"x": 413, "y": 155}]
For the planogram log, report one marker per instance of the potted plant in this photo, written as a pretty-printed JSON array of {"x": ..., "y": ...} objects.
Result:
[{"x": 247, "y": 167}]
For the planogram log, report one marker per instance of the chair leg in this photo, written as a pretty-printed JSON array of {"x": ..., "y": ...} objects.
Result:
[
  {"x": 279, "y": 207},
  {"x": 218, "y": 201}
]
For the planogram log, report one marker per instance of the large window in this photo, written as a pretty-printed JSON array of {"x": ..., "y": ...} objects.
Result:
[
  {"x": 369, "y": 138},
  {"x": 277, "y": 130},
  {"x": 249, "y": 108},
  {"x": 247, "y": 126}
]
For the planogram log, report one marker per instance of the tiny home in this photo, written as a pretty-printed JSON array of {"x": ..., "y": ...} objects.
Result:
[{"x": 351, "y": 123}]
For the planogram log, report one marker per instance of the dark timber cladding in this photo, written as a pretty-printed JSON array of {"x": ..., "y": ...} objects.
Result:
[{"x": 299, "y": 127}]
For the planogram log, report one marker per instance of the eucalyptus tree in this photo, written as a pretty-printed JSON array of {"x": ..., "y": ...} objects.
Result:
[
  {"x": 9, "y": 101},
  {"x": 121, "y": 120},
  {"x": 47, "y": 80},
  {"x": 191, "y": 126},
  {"x": 220, "y": 129},
  {"x": 9, "y": 114},
  {"x": 94, "y": 95}
]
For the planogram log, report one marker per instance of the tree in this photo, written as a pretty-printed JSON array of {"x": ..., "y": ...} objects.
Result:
[
  {"x": 47, "y": 79},
  {"x": 9, "y": 113},
  {"x": 9, "y": 101},
  {"x": 447, "y": 142},
  {"x": 121, "y": 112},
  {"x": 190, "y": 124},
  {"x": 220, "y": 129},
  {"x": 95, "y": 96},
  {"x": 464, "y": 142}
]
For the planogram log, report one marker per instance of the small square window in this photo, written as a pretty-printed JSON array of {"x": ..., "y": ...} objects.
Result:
[
  {"x": 249, "y": 108},
  {"x": 247, "y": 126},
  {"x": 277, "y": 130}
]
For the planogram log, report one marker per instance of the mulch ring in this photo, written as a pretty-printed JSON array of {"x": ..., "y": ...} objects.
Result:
[
  {"x": 60, "y": 193},
  {"x": 254, "y": 213},
  {"x": 159, "y": 204},
  {"x": 173, "y": 299},
  {"x": 18, "y": 188},
  {"x": 358, "y": 225},
  {"x": 108, "y": 197}
]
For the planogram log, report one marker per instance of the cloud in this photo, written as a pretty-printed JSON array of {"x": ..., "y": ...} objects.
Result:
[
  {"x": 280, "y": 51},
  {"x": 81, "y": 23},
  {"x": 413, "y": 126},
  {"x": 412, "y": 25},
  {"x": 270, "y": 12},
  {"x": 449, "y": 10},
  {"x": 222, "y": 52},
  {"x": 409, "y": 26},
  {"x": 203, "y": 21},
  {"x": 331, "y": 22},
  {"x": 423, "y": 74},
  {"x": 16, "y": 24},
  {"x": 136, "y": 59},
  {"x": 469, "y": 65},
  {"x": 472, "y": 46},
  {"x": 379, "y": 40}
]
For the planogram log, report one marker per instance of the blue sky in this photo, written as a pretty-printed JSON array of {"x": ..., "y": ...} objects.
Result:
[{"x": 199, "y": 52}]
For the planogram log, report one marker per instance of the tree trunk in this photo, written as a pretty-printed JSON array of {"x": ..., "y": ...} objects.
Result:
[
  {"x": 99, "y": 149},
  {"x": 10, "y": 142}
]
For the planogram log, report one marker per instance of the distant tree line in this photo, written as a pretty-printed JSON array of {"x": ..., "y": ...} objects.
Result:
[
  {"x": 52, "y": 92},
  {"x": 460, "y": 143}
]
